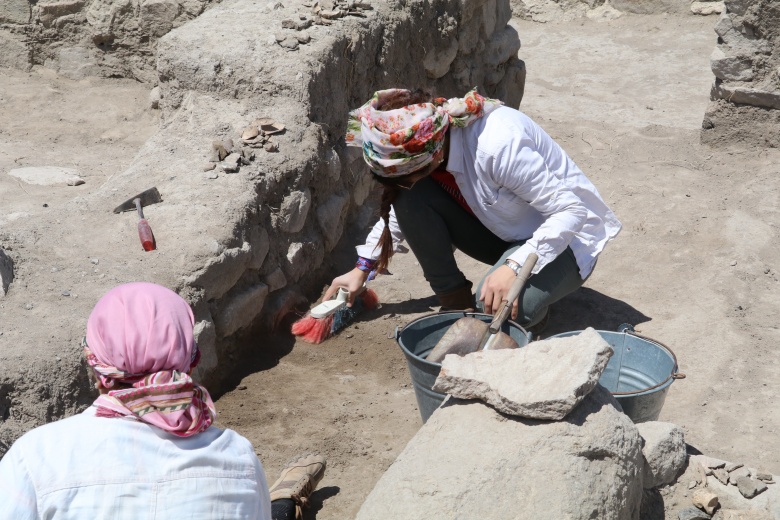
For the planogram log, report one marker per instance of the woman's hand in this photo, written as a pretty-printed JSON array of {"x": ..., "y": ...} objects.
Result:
[
  {"x": 495, "y": 288},
  {"x": 352, "y": 281}
]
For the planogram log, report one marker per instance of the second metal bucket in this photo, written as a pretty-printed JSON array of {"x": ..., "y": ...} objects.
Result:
[
  {"x": 639, "y": 372},
  {"x": 418, "y": 338}
]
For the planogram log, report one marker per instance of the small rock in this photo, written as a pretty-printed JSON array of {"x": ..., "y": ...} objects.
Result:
[
  {"x": 250, "y": 132},
  {"x": 231, "y": 163},
  {"x": 289, "y": 24},
  {"x": 66, "y": 293},
  {"x": 731, "y": 466},
  {"x": 766, "y": 477},
  {"x": 710, "y": 462},
  {"x": 209, "y": 166},
  {"x": 303, "y": 37},
  {"x": 289, "y": 42},
  {"x": 271, "y": 147},
  {"x": 6, "y": 272},
  {"x": 154, "y": 98},
  {"x": 220, "y": 151},
  {"x": 693, "y": 513},
  {"x": 749, "y": 487},
  {"x": 721, "y": 475},
  {"x": 692, "y": 484},
  {"x": 733, "y": 263},
  {"x": 95, "y": 261},
  {"x": 242, "y": 387},
  {"x": 29, "y": 306},
  {"x": 737, "y": 474},
  {"x": 212, "y": 176}
]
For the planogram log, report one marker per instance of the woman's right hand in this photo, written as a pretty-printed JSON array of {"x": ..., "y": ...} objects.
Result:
[{"x": 352, "y": 281}]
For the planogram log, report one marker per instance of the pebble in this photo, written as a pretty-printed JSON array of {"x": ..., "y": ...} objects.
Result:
[
  {"x": 28, "y": 306},
  {"x": 271, "y": 147},
  {"x": 764, "y": 476},
  {"x": 731, "y": 466},
  {"x": 213, "y": 176},
  {"x": 209, "y": 166},
  {"x": 733, "y": 263},
  {"x": 95, "y": 261},
  {"x": 66, "y": 293},
  {"x": 54, "y": 269},
  {"x": 692, "y": 484},
  {"x": 693, "y": 513},
  {"x": 242, "y": 387}
]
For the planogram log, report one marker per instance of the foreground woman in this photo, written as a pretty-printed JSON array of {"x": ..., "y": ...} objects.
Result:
[
  {"x": 470, "y": 174},
  {"x": 146, "y": 448}
]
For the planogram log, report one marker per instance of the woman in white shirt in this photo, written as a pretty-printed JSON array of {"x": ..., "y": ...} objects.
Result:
[{"x": 471, "y": 174}]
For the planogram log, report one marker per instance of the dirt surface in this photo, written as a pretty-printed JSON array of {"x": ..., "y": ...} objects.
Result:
[{"x": 694, "y": 267}]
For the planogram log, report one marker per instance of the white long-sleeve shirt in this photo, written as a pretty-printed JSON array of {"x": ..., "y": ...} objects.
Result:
[
  {"x": 522, "y": 186},
  {"x": 96, "y": 467}
]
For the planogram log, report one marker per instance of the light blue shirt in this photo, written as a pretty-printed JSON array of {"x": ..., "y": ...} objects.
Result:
[{"x": 94, "y": 467}]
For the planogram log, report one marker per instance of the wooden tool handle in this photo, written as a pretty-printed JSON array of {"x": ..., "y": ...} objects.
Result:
[{"x": 514, "y": 292}]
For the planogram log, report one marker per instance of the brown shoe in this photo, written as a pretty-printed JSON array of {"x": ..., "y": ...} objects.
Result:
[
  {"x": 298, "y": 480},
  {"x": 458, "y": 300}
]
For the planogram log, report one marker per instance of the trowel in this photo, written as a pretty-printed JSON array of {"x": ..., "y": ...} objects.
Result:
[
  {"x": 145, "y": 198},
  {"x": 471, "y": 334}
]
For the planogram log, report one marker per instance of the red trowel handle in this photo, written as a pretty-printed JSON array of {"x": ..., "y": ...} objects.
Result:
[{"x": 146, "y": 235}]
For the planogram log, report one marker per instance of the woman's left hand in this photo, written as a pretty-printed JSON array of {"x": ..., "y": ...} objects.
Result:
[{"x": 495, "y": 288}]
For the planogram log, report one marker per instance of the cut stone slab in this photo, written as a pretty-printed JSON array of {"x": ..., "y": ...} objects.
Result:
[
  {"x": 737, "y": 474},
  {"x": 47, "y": 176},
  {"x": 469, "y": 461},
  {"x": 664, "y": 451},
  {"x": 544, "y": 380}
]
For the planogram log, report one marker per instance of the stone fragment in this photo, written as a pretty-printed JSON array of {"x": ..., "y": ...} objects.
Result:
[
  {"x": 6, "y": 272},
  {"x": 289, "y": 24},
  {"x": 705, "y": 500},
  {"x": 467, "y": 460},
  {"x": 693, "y": 513},
  {"x": 47, "y": 176},
  {"x": 303, "y": 37},
  {"x": 219, "y": 148},
  {"x": 15, "y": 11},
  {"x": 664, "y": 451},
  {"x": 737, "y": 474},
  {"x": 330, "y": 218},
  {"x": 747, "y": 96},
  {"x": 261, "y": 243},
  {"x": 239, "y": 310},
  {"x": 707, "y": 8},
  {"x": 709, "y": 462},
  {"x": 749, "y": 487},
  {"x": 731, "y": 466},
  {"x": 544, "y": 380},
  {"x": 692, "y": 484},
  {"x": 209, "y": 166},
  {"x": 721, "y": 475},
  {"x": 288, "y": 42},
  {"x": 206, "y": 338},
  {"x": 231, "y": 163},
  {"x": 222, "y": 272},
  {"x": 766, "y": 477},
  {"x": 271, "y": 147}
]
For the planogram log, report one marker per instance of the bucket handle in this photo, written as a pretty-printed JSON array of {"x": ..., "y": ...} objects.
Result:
[{"x": 627, "y": 328}]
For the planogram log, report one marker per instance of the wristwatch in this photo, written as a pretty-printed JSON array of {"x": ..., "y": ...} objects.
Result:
[{"x": 514, "y": 266}]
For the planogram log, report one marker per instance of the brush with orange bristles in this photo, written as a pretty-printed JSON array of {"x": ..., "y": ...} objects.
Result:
[{"x": 331, "y": 316}]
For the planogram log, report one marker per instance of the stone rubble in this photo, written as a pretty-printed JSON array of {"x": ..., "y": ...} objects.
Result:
[
  {"x": 693, "y": 513},
  {"x": 229, "y": 157},
  {"x": 544, "y": 380}
]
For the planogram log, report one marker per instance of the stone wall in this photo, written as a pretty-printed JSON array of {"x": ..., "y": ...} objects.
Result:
[
  {"x": 745, "y": 96},
  {"x": 244, "y": 248},
  {"x": 78, "y": 38},
  {"x": 562, "y": 10}
]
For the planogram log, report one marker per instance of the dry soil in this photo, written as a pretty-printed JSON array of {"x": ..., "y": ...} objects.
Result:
[{"x": 695, "y": 266}]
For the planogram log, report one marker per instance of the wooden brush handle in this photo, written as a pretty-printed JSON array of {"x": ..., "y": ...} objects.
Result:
[{"x": 514, "y": 292}]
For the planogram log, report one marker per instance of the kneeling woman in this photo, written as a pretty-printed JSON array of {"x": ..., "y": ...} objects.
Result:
[{"x": 471, "y": 174}]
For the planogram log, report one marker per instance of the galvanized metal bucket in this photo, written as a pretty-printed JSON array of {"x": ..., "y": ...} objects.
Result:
[
  {"x": 639, "y": 373},
  {"x": 418, "y": 338}
]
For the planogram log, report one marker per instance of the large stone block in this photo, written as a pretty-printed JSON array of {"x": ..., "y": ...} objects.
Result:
[
  {"x": 221, "y": 273},
  {"x": 469, "y": 461},
  {"x": 747, "y": 95},
  {"x": 330, "y": 217},
  {"x": 730, "y": 68},
  {"x": 239, "y": 310},
  {"x": 157, "y": 16},
  {"x": 206, "y": 338},
  {"x": 664, "y": 452},
  {"x": 295, "y": 208},
  {"x": 50, "y": 11},
  {"x": 544, "y": 380}
]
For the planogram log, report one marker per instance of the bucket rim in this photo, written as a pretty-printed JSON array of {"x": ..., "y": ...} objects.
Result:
[
  {"x": 675, "y": 374},
  {"x": 400, "y": 331}
]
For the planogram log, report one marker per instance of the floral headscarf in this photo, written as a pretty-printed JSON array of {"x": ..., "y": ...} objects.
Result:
[{"x": 399, "y": 142}]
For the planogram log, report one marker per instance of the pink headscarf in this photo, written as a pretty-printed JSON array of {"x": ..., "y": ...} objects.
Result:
[{"x": 141, "y": 334}]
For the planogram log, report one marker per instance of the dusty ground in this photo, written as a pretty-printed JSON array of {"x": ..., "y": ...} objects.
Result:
[{"x": 695, "y": 266}]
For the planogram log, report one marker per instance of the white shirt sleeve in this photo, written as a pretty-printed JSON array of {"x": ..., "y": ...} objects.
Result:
[
  {"x": 371, "y": 249},
  {"x": 518, "y": 167},
  {"x": 17, "y": 492}
]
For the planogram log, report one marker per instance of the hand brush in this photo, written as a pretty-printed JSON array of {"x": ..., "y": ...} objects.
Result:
[{"x": 331, "y": 316}]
